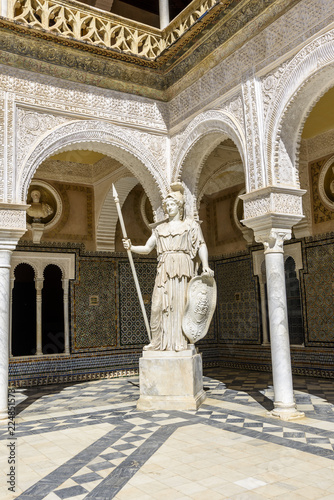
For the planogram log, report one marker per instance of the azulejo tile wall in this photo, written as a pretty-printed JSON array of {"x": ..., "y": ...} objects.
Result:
[
  {"x": 317, "y": 291},
  {"x": 132, "y": 326},
  {"x": 107, "y": 336},
  {"x": 94, "y": 303},
  {"x": 238, "y": 301}
]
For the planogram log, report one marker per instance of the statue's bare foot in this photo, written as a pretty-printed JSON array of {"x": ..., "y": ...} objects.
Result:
[
  {"x": 149, "y": 347},
  {"x": 179, "y": 348}
]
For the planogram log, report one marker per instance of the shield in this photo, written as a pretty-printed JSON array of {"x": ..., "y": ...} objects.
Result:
[{"x": 200, "y": 306}]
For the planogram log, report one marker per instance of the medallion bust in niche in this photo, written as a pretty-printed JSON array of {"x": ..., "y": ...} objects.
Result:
[{"x": 42, "y": 206}]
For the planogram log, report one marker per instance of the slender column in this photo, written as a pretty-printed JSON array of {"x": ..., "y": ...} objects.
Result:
[
  {"x": 263, "y": 311},
  {"x": 164, "y": 13},
  {"x": 5, "y": 257},
  {"x": 284, "y": 404},
  {"x": 39, "y": 287},
  {"x": 66, "y": 324},
  {"x": 10, "y": 343},
  {"x": 12, "y": 227}
]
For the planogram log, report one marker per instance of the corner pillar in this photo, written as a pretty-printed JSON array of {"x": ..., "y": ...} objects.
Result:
[
  {"x": 12, "y": 227},
  {"x": 272, "y": 229}
]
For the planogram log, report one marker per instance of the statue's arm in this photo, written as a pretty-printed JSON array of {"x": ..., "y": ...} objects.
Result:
[
  {"x": 204, "y": 256},
  {"x": 141, "y": 249}
]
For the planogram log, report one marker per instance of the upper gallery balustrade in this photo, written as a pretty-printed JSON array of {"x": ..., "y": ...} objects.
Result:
[{"x": 72, "y": 19}]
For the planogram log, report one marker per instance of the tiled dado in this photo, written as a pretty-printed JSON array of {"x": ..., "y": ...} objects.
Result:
[{"x": 234, "y": 339}]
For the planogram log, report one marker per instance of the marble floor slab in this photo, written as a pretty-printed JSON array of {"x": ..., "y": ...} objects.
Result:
[{"x": 88, "y": 441}]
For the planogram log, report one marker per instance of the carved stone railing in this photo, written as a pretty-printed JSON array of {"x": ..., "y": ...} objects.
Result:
[{"x": 72, "y": 19}]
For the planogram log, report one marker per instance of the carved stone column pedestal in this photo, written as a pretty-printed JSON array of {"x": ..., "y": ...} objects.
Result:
[{"x": 171, "y": 380}]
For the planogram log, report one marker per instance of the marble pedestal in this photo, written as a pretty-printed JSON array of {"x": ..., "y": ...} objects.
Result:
[{"x": 171, "y": 380}]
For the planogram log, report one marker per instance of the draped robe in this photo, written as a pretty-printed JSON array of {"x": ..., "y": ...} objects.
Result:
[{"x": 177, "y": 246}]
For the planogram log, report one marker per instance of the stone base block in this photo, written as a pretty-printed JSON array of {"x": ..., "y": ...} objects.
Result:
[{"x": 171, "y": 380}]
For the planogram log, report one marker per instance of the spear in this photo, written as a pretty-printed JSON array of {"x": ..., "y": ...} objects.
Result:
[{"x": 120, "y": 216}]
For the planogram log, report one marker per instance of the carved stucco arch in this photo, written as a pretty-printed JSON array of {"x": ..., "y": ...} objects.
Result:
[
  {"x": 307, "y": 77},
  {"x": 202, "y": 136},
  {"x": 102, "y": 137},
  {"x": 235, "y": 166}
]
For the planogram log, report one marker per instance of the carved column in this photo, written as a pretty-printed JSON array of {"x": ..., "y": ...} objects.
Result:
[
  {"x": 39, "y": 287},
  {"x": 12, "y": 227},
  {"x": 10, "y": 342},
  {"x": 272, "y": 227},
  {"x": 66, "y": 323},
  {"x": 285, "y": 406},
  {"x": 263, "y": 310},
  {"x": 164, "y": 13}
]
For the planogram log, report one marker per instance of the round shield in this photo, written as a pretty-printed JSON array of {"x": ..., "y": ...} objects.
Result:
[{"x": 200, "y": 306}]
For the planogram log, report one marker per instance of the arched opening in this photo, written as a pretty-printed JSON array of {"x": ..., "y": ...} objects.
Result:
[
  {"x": 52, "y": 311},
  {"x": 24, "y": 311}
]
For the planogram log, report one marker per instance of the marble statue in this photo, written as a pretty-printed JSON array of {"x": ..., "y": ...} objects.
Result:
[
  {"x": 38, "y": 210},
  {"x": 178, "y": 240}
]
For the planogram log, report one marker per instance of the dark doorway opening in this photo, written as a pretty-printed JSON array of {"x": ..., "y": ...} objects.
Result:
[
  {"x": 24, "y": 312},
  {"x": 52, "y": 311}
]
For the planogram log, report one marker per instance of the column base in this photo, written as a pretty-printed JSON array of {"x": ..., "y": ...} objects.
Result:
[
  {"x": 171, "y": 380},
  {"x": 286, "y": 412}
]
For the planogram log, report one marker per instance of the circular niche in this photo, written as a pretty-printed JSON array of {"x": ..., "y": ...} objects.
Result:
[
  {"x": 326, "y": 184},
  {"x": 45, "y": 204},
  {"x": 146, "y": 210}
]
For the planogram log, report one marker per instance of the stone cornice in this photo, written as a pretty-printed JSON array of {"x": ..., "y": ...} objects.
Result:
[{"x": 43, "y": 52}]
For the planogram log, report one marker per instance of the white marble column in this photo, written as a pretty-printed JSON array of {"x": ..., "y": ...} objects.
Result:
[
  {"x": 263, "y": 310},
  {"x": 164, "y": 13},
  {"x": 284, "y": 403},
  {"x": 272, "y": 212},
  {"x": 5, "y": 257},
  {"x": 39, "y": 287},
  {"x": 12, "y": 227},
  {"x": 66, "y": 324},
  {"x": 10, "y": 342}
]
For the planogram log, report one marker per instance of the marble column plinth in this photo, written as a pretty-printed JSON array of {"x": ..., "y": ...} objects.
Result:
[{"x": 171, "y": 380}]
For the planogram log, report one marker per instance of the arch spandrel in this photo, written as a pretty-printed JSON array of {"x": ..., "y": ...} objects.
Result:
[
  {"x": 305, "y": 79},
  {"x": 200, "y": 138},
  {"x": 102, "y": 137}
]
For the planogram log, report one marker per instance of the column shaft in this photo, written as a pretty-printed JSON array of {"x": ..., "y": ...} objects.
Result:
[
  {"x": 39, "y": 287},
  {"x": 279, "y": 331},
  {"x": 66, "y": 324},
  {"x": 164, "y": 13},
  {"x": 5, "y": 256}
]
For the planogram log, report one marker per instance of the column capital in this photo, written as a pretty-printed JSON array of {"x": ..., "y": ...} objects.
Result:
[
  {"x": 273, "y": 200},
  {"x": 12, "y": 224},
  {"x": 272, "y": 212}
]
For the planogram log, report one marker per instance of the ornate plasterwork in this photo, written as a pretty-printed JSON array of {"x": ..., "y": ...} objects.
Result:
[
  {"x": 319, "y": 146},
  {"x": 12, "y": 219},
  {"x": 254, "y": 134},
  {"x": 31, "y": 125},
  {"x": 39, "y": 261},
  {"x": 190, "y": 148},
  {"x": 307, "y": 76},
  {"x": 78, "y": 100},
  {"x": 271, "y": 200},
  {"x": 118, "y": 142}
]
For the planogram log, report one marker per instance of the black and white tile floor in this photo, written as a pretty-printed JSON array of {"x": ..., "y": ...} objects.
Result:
[{"x": 88, "y": 441}]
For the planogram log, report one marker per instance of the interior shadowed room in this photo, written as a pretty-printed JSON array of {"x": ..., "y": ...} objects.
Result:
[{"x": 166, "y": 249}]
